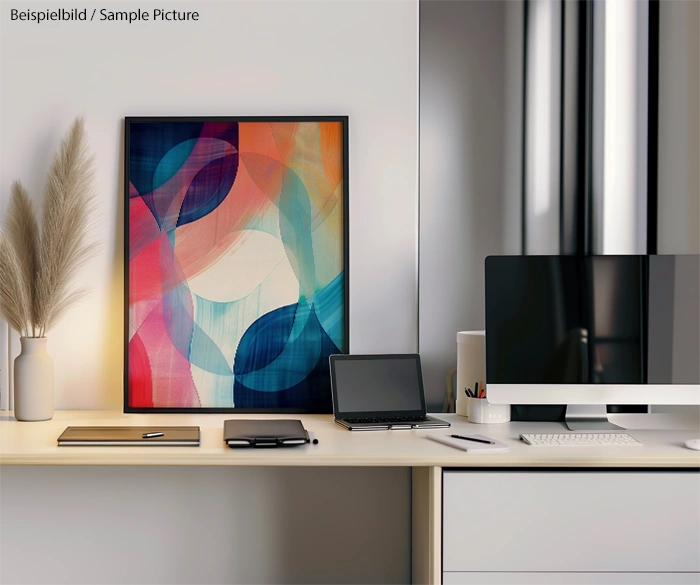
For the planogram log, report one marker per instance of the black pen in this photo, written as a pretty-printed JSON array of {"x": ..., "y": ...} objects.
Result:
[
  {"x": 473, "y": 439},
  {"x": 151, "y": 435}
]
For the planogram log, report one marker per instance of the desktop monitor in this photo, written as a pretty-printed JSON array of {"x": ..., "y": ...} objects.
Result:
[{"x": 588, "y": 331}]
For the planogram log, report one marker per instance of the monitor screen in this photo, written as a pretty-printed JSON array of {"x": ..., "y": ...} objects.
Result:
[
  {"x": 377, "y": 383},
  {"x": 593, "y": 320}
]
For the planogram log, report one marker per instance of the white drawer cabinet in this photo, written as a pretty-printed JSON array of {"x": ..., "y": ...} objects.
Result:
[{"x": 549, "y": 522}]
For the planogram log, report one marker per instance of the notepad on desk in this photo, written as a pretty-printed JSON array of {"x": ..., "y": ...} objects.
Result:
[
  {"x": 154, "y": 436},
  {"x": 471, "y": 443}
]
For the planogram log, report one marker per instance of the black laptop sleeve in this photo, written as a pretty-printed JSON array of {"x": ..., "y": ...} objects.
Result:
[{"x": 264, "y": 433}]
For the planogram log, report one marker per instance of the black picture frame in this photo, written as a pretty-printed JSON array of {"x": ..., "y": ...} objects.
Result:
[{"x": 129, "y": 126}]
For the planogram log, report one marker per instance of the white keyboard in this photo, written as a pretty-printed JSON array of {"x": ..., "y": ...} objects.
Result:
[{"x": 578, "y": 439}]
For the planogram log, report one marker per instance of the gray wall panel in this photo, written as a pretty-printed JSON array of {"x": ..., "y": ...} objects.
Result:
[{"x": 462, "y": 150}]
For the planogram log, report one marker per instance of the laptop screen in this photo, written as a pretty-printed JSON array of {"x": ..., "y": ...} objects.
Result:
[{"x": 377, "y": 384}]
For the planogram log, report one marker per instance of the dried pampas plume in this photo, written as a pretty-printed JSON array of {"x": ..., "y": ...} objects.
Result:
[
  {"x": 37, "y": 266},
  {"x": 14, "y": 300}
]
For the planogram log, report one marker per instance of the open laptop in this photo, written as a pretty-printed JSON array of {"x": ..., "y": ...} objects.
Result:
[{"x": 379, "y": 392}]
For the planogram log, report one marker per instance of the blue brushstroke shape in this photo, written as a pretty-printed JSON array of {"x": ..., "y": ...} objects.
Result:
[
  {"x": 209, "y": 188},
  {"x": 279, "y": 349},
  {"x": 149, "y": 142},
  {"x": 295, "y": 231},
  {"x": 171, "y": 162},
  {"x": 158, "y": 151},
  {"x": 212, "y": 183},
  {"x": 263, "y": 345},
  {"x": 186, "y": 336},
  {"x": 330, "y": 309}
]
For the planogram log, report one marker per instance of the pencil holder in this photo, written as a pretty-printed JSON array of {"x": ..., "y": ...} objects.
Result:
[{"x": 479, "y": 410}]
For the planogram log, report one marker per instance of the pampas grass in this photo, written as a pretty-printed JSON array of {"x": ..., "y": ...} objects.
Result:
[
  {"x": 14, "y": 300},
  {"x": 37, "y": 266}
]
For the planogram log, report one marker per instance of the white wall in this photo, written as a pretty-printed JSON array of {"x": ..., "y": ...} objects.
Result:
[
  {"x": 679, "y": 133},
  {"x": 242, "y": 57},
  {"x": 679, "y": 128},
  {"x": 462, "y": 150}
]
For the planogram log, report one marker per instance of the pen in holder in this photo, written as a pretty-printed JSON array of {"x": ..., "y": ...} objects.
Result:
[{"x": 477, "y": 409}]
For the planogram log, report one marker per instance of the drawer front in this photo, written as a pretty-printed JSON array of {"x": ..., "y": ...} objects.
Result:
[
  {"x": 571, "y": 521},
  {"x": 570, "y": 578}
]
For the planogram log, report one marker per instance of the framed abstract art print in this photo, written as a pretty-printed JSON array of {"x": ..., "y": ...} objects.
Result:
[{"x": 236, "y": 284}]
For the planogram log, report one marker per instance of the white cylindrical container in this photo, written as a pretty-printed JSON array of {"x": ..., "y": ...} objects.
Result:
[
  {"x": 33, "y": 381},
  {"x": 479, "y": 410},
  {"x": 471, "y": 365}
]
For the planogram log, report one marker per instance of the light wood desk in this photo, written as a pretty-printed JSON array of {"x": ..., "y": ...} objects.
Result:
[{"x": 663, "y": 437}]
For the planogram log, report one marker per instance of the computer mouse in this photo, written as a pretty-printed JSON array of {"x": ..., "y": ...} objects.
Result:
[{"x": 693, "y": 444}]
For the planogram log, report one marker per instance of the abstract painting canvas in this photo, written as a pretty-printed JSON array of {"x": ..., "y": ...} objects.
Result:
[{"x": 236, "y": 262}]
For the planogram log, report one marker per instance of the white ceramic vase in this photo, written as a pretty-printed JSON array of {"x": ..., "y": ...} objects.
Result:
[{"x": 33, "y": 381}]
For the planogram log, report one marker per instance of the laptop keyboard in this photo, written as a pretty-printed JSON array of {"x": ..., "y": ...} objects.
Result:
[{"x": 389, "y": 419}]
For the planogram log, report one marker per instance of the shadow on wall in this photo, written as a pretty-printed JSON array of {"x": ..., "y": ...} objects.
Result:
[
  {"x": 112, "y": 367},
  {"x": 462, "y": 166}
]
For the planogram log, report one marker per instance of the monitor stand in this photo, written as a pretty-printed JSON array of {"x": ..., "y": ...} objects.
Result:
[{"x": 589, "y": 417}]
